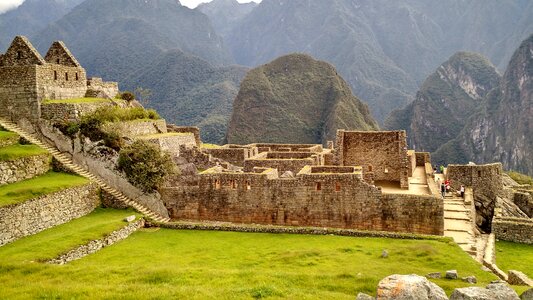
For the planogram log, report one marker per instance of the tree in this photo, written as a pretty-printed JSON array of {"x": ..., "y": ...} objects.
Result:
[{"x": 145, "y": 165}]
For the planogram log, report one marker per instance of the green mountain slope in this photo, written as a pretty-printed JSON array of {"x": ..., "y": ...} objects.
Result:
[
  {"x": 28, "y": 18},
  {"x": 190, "y": 91},
  {"x": 225, "y": 14},
  {"x": 503, "y": 129},
  {"x": 295, "y": 99},
  {"x": 115, "y": 38},
  {"x": 445, "y": 101},
  {"x": 382, "y": 48}
]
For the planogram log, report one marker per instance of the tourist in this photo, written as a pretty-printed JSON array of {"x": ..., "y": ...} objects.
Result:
[
  {"x": 443, "y": 190},
  {"x": 435, "y": 169},
  {"x": 441, "y": 169},
  {"x": 462, "y": 191}
]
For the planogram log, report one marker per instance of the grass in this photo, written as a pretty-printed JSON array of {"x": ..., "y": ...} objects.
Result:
[
  {"x": 16, "y": 151},
  {"x": 165, "y": 264},
  {"x": 45, "y": 184},
  {"x": 210, "y": 146},
  {"x": 8, "y": 135},
  {"x": 520, "y": 178},
  {"x": 76, "y": 101},
  {"x": 515, "y": 256},
  {"x": 55, "y": 241}
]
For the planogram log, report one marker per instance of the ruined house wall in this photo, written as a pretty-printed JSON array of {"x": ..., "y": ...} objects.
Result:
[
  {"x": 61, "y": 82},
  {"x": 283, "y": 165},
  {"x": 486, "y": 182},
  {"x": 383, "y": 153},
  {"x": 338, "y": 200},
  {"x": 18, "y": 93},
  {"x": 95, "y": 85},
  {"x": 234, "y": 156},
  {"x": 288, "y": 147},
  {"x": 186, "y": 129},
  {"x": 69, "y": 112},
  {"x": 422, "y": 158}
]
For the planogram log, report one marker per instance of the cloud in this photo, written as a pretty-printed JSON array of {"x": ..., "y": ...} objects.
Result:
[{"x": 6, "y": 5}]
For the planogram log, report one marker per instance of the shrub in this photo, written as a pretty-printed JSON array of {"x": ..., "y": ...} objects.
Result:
[
  {"x": 128, "y": 96},
  {"x": 69, "y": 128},
  {"x": 145, "y": 165}
]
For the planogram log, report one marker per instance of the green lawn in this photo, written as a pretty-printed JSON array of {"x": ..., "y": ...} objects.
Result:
[
  {"x": 12, "y": 152},
  {"x": 35, "y": 187},
  {"x": 76, "y": 100},
  {"x": 515, "y": 256},
  {"x": 165, "y": 264},
  {"x": 8, "y": 135},
  {"x": 55, "y": 241}
]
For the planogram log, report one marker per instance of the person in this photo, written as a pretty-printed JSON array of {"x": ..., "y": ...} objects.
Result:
[
  {"x": 435, "y": 169},
  {"x": 441, "y": 169},
  {"x": 447, "y": 185},
  {"x": 443, "y": 190},
  {"x": 462, "y": 191}
]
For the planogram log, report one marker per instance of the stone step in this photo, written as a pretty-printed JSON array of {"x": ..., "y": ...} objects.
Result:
[
  {"x": 67, "y": 162},
  {"x": 459, "y": 215}
]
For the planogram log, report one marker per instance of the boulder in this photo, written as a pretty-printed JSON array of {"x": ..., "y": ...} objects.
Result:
[
  {"x": 527, "y": 295},
  {"x": 434, "y": 275},
  {"x": 412, "y": 287},
  {"x": 470, "y": 279},
  {"x": 130, "y": 218},
  {"x": 493, "y": 291},
  {"x": 519, "y": 278},
  {"x": 384, "y": 254},
  {"x": 451, "y": 274},
  {"x": 362, "y": 296},
  {"x": 188, "y": 170}
]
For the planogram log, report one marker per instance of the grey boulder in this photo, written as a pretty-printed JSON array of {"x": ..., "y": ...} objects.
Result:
[{"x": 409, "y": 287}]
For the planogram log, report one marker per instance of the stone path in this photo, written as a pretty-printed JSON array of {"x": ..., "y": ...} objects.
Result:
[
  {"x": 458, "y": 224},
  {"x": 68, "y": 163}
]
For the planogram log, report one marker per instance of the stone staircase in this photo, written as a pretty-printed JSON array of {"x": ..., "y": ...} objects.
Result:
[
  {"x": 458, "y": 224},
  {"x": 68, "y": 163}
]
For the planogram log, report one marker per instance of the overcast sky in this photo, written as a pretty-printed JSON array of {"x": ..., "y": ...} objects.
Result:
[{"x": 6, "y": 5}]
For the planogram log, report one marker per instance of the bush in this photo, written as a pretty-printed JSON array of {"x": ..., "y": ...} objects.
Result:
[
  {"x": 145, "y": 165},
  {"x": 128, "y": 96},
  {"x": 69, "y": 128}
]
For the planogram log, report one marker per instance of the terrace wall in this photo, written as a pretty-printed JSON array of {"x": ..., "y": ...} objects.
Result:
[
  {"x": 513, "y": 230},
  {"x": 35, "y": 215},
  {"x": 23, "y": 168}
]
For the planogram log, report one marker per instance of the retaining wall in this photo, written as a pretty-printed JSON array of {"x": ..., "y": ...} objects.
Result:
[
  {"x": 513, "y": 229},
  {"x": 35, "y": 215},
  {"x": 23, "y": 168}
]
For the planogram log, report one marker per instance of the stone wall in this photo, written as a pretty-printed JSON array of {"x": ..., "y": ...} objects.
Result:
[
  {"x": 235, "y": 156},
  {"x": 136, "y": 128},
  {"x": 186, "y": 129},
  {"x": 60, "y": 82},
  {"x": 172, "y": 143},
  {"x": 95, "y": 85},
  {"x": 95, "y": 245},
  {"x": 524, "y": 200},
  {"x": 383, "y": 153},
  {"x": 69, "y": 112},
  {"x": 513, "y": 230},
  {"x": 422, "y": 158},
  {"x": 288, "y": 147},
  {"x": 326, "y": 200},
  {"x": 18, "y": 93},
  {"x": 487, "y": 184},
  {"x": 283, "y": 165},
  {"x": 23, "y": 168},
  {"x": 35, "y": 215}
]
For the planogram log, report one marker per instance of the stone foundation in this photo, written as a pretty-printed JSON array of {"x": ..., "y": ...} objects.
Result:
[
  {"x": 35, "y": 215},
  {"x": 513, "y": 230}
]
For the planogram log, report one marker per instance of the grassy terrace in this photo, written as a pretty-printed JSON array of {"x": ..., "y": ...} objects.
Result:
[
  {"x": 55, "y": 241},
  {"x": 7, "y": 135},
  {"x": 16, "y": 151},
  {"x": 165, "y": 263},
  {"x": 45, "y": 184},
  {"x": 76, "y": 101},
  {"x": 514, "y": 256}
]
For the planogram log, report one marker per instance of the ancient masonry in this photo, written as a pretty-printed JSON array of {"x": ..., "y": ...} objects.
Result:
[{"x": 361, "y": 181}]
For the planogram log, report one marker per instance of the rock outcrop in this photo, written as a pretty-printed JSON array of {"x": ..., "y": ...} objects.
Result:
[
  {"x": 493, "y": 291},
  {"x": 296, "y": 99},
  {"x": 445, "y": 101},
  {"x": 409, "y": 287}
]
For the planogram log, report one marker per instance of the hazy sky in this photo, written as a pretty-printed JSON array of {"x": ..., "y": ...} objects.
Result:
[{"x": 9, "y": 4}]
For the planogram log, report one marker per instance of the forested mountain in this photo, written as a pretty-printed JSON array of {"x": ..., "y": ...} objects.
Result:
[
  {"x": 295, "y": 99},
  {"x": 225, "y": 14},
  {"x": 503, "y": 129},
  {"x": 383, "y": 48},
  {"x": 446, "y": 99},
  {"x": 188, "y": 90},
  {"x": 31, "y": 17}
]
